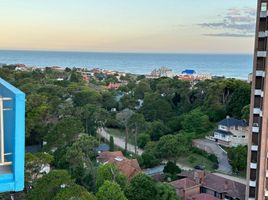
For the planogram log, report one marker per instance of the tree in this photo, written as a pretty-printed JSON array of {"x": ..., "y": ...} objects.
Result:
[
  {"x": 138, "y": 124},
  {"x": 196, "y": 121},
  {"x": 111, "y": 173},
  {"x": 141, "y": 187},
  {"x": 165, "y": 192},
  {"x": 78, "y": 159},
  {"x": 124, "y": 117},
  {"x": 35, "y": 163},
  {"x": 238, "y": 158},
  {"x": 111, "y": 143},
  {"x": 49, "y": 185},
  {"x": 245, "y": 112},
  {"x": 168, "y": 147},
  {"x": 149, "y": 157},
  {"x": 64, "y": 132},
  {"x": 143, "y": 139},
  {"x": 239, "y": 99},
  {"x": 157, "y": 130},
  {"x": 156, "y": 107},
  {"x": 74, "y": 192},
  {"x": 171, "y": 168},
  {"x": 110, "y": 191}
]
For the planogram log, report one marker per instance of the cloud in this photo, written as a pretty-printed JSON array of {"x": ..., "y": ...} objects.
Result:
[
  {"x": 234, "y": 23},
  {"x": 228, "y": 35}
]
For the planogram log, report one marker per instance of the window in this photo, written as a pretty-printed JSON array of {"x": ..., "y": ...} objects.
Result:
[{"x": 263, "y": 6}]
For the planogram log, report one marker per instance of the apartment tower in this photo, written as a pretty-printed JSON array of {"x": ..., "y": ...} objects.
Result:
[{"x": 257, "y": 171}]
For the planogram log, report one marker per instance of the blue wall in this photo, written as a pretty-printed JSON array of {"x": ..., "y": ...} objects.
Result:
[{"x": 14, "y": 129}]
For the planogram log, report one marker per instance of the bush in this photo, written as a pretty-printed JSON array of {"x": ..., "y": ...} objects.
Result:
[
  {"x": 143, "y": 139},
  {"x": 209, "y": 156}
]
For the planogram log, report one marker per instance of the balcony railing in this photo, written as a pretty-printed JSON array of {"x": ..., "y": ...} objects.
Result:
[
  {"x": 261, "y": 54},
  {"x": 260, "y": 73},
  {"x": 255, "y": 129},
  {"x": 263, "y": 14},
  {"x": 254, "y": 147},
  {"x": 263, "y": 34},
  {"x": 259, "y": 92},
  {"x": 3, "y": 154},
  {"x": 252, "y": 183}
]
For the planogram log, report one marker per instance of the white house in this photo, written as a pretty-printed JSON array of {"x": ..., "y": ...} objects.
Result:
[{"x": 232, "y": 132}]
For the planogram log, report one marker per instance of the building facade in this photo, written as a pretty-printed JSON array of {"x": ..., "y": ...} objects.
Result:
[
  {"x": 12, "y": 138},
  {"x": 257, "y": 173},
  {"x": 231, "y": 132}
]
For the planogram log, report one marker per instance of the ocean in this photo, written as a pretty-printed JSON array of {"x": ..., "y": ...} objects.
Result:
[{"x": 228, "y": 65}]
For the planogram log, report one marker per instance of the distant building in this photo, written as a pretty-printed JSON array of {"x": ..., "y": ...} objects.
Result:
[
  {"x": 114, "y": 86},
  {"x": 162, "y": 72},
  {"x": 232, "y": 132},
  {"x": 191, "y": 75},
  {"x": 203, "y": 185},
  {"x": 128, "y": 167}
]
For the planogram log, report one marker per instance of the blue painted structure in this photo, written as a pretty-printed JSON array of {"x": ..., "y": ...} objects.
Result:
[
  {"x": 14, "y": 132},
  {"x": 189, "y": 72}
]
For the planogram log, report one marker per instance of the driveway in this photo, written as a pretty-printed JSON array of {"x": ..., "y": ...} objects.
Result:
[{"x": 213, "y": 148}]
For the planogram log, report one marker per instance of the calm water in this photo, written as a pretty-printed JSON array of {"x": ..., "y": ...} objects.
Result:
[{"x": 233, "y": 66}]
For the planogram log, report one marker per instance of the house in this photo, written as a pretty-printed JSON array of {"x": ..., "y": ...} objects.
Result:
[
  {"x": 186, "y": 187},
  {"x": 198, "y": 182},
  {"x": 114, "y": 86},
  {"x": 128, "y": 167},
  {"x": 232, "y": 132},
  {"x": 203, "y": 196}
]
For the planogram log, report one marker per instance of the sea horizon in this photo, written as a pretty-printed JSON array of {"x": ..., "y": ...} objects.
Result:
[{"x": 217, "y": 64}]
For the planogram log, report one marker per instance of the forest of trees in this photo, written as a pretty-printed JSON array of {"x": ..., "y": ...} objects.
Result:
[{"x": 65, "y": 116}]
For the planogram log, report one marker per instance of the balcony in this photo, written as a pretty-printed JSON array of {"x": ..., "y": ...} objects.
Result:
[
  {"x": 253, "y": 165},
  {"x": 263, "y": 34},
  {"x": 254, "y": 147},
  {"x": 261, "y": 54},
  {"x": 259, "y": 93},
  {"x": 266, "y": 192},
  {"x": 255, "y": 129},
  {"x": 252, "y": 183},
  {"x": 263, "y": 14},
  {"x": 257, "y": 111},
  {"x": 260, "y": 73},
  {"x": 12, "y": 126}
]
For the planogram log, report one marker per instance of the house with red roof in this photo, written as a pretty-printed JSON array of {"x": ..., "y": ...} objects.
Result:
[{"x": 128, "y": 167}]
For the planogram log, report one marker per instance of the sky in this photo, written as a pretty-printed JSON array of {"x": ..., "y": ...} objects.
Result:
[{"x": 166, "y": 26}]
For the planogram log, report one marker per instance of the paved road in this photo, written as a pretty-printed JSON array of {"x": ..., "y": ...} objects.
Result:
[
  {"x": 120, "y": 142},
  {"x": 213, "y": 147}
]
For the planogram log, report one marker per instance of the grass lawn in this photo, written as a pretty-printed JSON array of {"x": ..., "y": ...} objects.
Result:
[{"x": 195, "y": 159}]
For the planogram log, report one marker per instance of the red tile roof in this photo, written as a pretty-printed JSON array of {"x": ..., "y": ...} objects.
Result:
[
  {"x": 183, "y": 183},
  {"x": 203, "y": 197},
  {"x": 129, "y": 167}
]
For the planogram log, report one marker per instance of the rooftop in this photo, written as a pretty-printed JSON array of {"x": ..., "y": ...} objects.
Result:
[
  {"x": 203, "y": 196},
  {"x": 233, "y": 122}
]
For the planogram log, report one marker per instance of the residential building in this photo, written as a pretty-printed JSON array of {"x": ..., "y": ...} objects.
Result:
[
  {"x": 128, "y": 167},
  {"x": 194, "y": 183},
  {"x": 186, "y": 188},
  {"x": 257, "y": 171},
  {"x": 232, "y": 132},
  {"x": 12, "y": 137}
]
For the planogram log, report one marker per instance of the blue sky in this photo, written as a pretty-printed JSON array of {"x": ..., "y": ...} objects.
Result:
[{"x": 129, "y": 25}]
